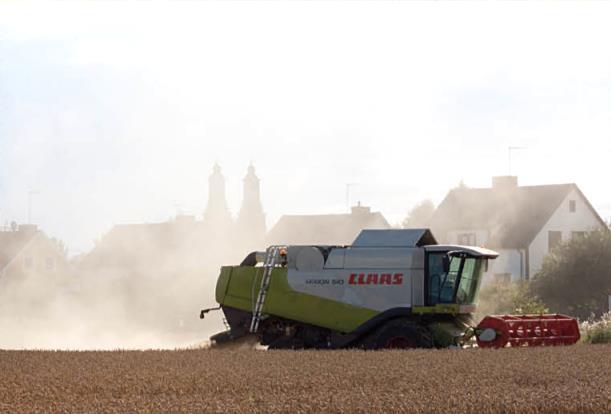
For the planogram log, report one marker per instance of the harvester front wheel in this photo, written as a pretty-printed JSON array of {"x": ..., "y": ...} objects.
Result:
[{"x": 402, "y": 334}]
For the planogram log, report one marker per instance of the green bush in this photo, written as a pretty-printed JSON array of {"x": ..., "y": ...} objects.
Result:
[
  {"x": 498, "y": 298},
  {"x": 597, "y": 331},
  {"x": 575, "y": 278}
]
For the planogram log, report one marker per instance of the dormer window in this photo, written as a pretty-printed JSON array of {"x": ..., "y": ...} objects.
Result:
[{"x": 572, "y": 206}]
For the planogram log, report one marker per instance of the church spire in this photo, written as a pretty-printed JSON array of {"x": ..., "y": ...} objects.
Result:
[
  {"x": 216, "y": 211},
  {"x": 251, "y": 220},
  {"x": 251, "y": 201}
]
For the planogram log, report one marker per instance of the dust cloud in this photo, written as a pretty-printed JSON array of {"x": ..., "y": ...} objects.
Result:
[{"x": 140, "y": 287}]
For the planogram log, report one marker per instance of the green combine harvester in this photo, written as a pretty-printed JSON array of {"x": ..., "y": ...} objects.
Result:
[{"x": 389, "y": 289}]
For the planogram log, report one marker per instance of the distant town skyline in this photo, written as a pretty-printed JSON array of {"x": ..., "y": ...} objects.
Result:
[{"x": 112, "y": 121}]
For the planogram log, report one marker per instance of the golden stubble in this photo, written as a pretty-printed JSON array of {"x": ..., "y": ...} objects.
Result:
[{"x": 525, "y": 380}]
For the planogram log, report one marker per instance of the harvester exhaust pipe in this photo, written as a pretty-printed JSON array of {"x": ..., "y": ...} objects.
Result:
[{"x": 203, "y": 312}]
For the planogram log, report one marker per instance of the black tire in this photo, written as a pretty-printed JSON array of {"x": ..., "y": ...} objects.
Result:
[{"x": 401, "y": 333}]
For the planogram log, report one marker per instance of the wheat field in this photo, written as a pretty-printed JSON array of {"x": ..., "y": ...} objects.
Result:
[{"x": 562, "y": 379}]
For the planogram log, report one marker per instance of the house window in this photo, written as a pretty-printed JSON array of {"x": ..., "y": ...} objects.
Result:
[
  {"x": 50, "y": 263},
  {"x": 575, "y": 234},
  {"x": 28, "y": 262},
  {"x": 572, "y": 206},
  {"x": 466, "y": 239},
  {"x": 554, "y": 238}
]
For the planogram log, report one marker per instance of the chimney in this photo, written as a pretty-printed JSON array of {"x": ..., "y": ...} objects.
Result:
[
  {"x": 358, "y": 209},
  {"x": 505, "y": 182}
]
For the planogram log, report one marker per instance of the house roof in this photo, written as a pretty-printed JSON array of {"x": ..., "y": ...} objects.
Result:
[
  {"x": 145, "y": 243},
  {"x": 514, "y": 216},
  {"x": 13, "y": 242},
  {"x": 325, "y": 229}
]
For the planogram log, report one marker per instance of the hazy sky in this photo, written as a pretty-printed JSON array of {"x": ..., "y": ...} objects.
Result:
[{"x": 116, "y": 112}]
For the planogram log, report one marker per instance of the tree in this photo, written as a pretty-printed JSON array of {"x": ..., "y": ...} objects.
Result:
[
  {"x": 419, "y": 215},
  {"x": 576, "y": 276}
]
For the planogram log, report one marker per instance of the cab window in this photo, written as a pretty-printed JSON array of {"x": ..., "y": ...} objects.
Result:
[
  {"x": 469, "y": 281},
  {"x": 435, "y": 276},
  {"x": 441, "y": 286},
  {"x": 448, "y": 285}
]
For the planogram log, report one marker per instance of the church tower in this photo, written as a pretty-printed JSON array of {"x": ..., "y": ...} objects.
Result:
[
  {"x": 217, "y": 213},
  {"x": 251, "y": 219}
]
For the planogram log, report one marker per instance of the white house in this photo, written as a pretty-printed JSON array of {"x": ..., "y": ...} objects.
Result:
[{"x": 521, "y": 223}]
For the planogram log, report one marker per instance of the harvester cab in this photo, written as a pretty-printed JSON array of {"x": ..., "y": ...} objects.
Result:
[
  {"x": 454, "y": 276},
  {"x": 390, "y": 288}
]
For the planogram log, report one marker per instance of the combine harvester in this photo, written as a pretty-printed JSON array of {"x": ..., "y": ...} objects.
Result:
[{"x": 389, "y": 289}]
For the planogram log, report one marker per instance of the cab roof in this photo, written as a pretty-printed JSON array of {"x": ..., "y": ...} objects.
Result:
[{"x": 471, "y": 250}]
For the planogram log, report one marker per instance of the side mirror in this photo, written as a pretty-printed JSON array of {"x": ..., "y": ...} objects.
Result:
[{"x": 446, "y": 263}]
